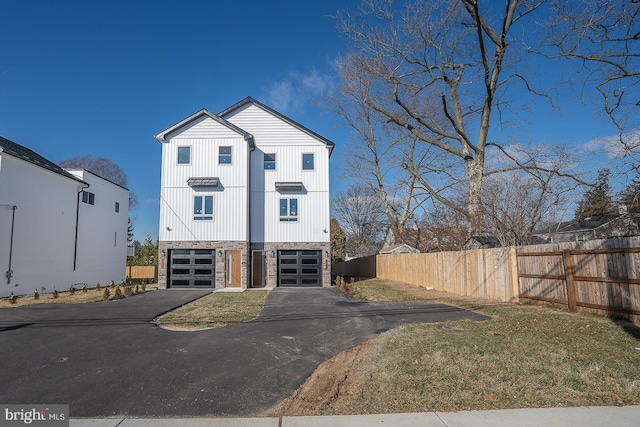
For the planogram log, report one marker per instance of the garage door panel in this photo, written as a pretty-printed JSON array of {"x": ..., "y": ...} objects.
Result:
[
  {"x": 191, "y": 268},
  {"x": 299, "y": 268}
]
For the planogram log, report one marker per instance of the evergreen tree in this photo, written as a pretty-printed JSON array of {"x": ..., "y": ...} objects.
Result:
[
  {"x": 630, "y": 196},
  {"x": 338, "y": 241},
  {"x": 145, "y": 253},
  {"x": 597, "y": 202}
]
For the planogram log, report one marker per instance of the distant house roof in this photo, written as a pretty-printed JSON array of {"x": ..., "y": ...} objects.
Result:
[
  {"x": 16, "y": 150},
  {"x": 161, "y": 137},
  {"x": 250, "y": 100},
  {"x": 400, "y": 249},
  {"x": 481, "y": 242}
]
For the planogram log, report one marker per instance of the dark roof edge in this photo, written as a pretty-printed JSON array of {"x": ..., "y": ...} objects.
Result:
[
  {"x": 23, "y": 153},
  {"x": 161, "y": 137},
  {"x": 249, "y": 100}
]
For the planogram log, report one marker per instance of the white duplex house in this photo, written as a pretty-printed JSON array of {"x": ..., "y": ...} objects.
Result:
[
  {"x": 57, "y": 227},
  {"x": 244, "y": 201}
]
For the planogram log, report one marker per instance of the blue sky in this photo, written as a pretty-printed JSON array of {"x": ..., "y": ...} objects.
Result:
[{"x": 101, "y": 78}]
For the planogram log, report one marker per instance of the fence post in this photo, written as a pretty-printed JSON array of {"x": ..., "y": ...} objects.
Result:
[
  {"x": 567, "y": 260},
  {"x": 515, "y": 283}
]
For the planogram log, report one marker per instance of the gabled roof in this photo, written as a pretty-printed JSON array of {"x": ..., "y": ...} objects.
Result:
[
  {"x": 250, "y": 100},
  {"x": 161, "y": 137},
  {"x": 23, "y": 153}
]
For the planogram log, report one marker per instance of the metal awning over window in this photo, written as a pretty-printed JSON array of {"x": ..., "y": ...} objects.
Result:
[
  {"x": 203, "y": 182},
  {"x": 289, "y": 186}
]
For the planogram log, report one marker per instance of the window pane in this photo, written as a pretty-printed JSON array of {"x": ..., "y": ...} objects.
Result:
[
  {"x": 283, "y": 207},
  {"x": 208, "y": 205},
  {"x": 307, "y": 162},
  {"x": 91, "y": 198},
  {"x": 293, "y": 207},
  {"x": 224, "y": 150},
  {"x": 269, "y": 161},
  {"x": 184, "y": 155},
  {"x": 117, "y": 207},
  {"x": 85, "y": 197},
  {"x": 197, "y": 205},
  {"x": 203, "y": 251}
]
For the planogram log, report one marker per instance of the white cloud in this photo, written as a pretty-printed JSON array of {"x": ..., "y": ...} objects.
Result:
[
  {"x": 297, "y": 90},
  {"x": 152, "y": 201},
  {"x": 616, "y": 146}
]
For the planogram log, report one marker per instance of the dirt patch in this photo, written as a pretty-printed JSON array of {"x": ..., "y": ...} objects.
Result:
[{"x": 329, "y": 383}]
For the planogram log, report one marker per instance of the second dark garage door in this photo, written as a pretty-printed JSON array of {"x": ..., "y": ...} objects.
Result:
[{"x": 299, "y": 268}]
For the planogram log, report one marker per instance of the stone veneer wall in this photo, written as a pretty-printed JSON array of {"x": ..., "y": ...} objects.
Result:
[
  {"x": 272, "y": 262},
  {"x": 220, "y": 260}
]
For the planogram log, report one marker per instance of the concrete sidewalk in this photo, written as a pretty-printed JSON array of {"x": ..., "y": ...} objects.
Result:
[{"x": 614, "y": 416}]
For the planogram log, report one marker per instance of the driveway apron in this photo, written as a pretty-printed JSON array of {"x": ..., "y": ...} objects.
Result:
[{"x": 109, "y": 359}]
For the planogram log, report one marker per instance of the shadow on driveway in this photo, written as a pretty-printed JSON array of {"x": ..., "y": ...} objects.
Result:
[{"x": 109, "y": 359}]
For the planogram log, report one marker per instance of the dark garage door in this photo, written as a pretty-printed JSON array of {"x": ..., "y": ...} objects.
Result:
[
  {"x": 191, "y": 268},
  {"x": 299, "y": 268}
]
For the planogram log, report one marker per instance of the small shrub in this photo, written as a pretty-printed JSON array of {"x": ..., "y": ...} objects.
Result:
[
  {"x": 84, "y": 288},
  {"x": 106, "y": 294},
  {"x": 144, "y": 286},
  {"x": 98, "y": 286},
  {"x": 36, "y": 295},
  {"x": 118, "y": 293},
  {"x": 112, "y": 284},
  {"x": 55, "y": 293},
  {"x": 12, "y": 298},
  {"x": 136, "y": 289},
  {"x": 72, "y": 290}
]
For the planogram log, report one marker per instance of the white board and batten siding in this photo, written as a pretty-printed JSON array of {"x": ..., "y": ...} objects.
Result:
[
  {"x": 230, "y": 197},
  {"x": 275, "y": 136}
]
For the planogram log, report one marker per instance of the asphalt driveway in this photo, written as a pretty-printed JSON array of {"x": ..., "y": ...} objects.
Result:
[{"x": 109, "y": 359}]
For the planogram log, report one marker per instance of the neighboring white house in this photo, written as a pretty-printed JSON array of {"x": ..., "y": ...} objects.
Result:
[
  {"x": 57, "y": 227},
  {"x": 244, "y": 201}
]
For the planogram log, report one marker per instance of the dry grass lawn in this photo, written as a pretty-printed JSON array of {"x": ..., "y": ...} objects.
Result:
[
  {"x": 525, "y": 356},
  {"x": 215, "y": 311}
]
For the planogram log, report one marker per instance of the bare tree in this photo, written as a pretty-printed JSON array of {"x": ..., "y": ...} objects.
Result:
[
  {"x": 527, "y": 188},
  {"x": 100, "y": 166},
  {"x": 603, "y": 37},
  {"x": 433, "y": 70},
  {"x": 361, "y": 214}
]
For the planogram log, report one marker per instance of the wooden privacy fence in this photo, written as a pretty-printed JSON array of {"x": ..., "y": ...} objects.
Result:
[
  {"x": 601, "y": 275},
  {"x": 598, "y": 274},
  {"x": 139, "y": 272},
  {"x": 484, "y": 273}
]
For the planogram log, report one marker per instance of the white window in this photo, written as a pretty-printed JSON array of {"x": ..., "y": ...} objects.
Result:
[
  {"x": 224, "y": 155},
  {"x": 269, "y": 161},
  {"x": 184, "y": 155},
  {"x": 88, "y": 197},
  {"x": 288, "y": 209},
  {"x": 307, "y": 162},
  {"x": 203, "y": 208}
]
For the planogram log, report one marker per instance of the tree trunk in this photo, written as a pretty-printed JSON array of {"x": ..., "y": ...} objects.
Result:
[{"x": 474, "y": 217}]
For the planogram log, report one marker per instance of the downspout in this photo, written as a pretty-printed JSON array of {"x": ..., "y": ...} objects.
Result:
[
  {"x": 9, "y": 273},
  {"x": 250, "y": 254},
  {"x": 75, "y": 242}
]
